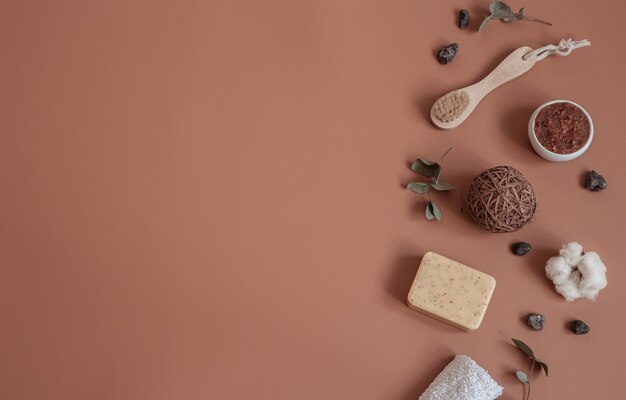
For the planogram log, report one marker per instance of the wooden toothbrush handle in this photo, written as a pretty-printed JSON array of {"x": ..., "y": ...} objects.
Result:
[{"x": 510, "y": 68}]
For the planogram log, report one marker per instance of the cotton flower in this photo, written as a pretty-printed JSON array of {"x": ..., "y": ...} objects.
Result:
[{"x": 576, "y": 274}]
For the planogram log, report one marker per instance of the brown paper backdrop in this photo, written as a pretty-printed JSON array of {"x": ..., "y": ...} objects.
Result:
[{"x": 204, "y": 199}]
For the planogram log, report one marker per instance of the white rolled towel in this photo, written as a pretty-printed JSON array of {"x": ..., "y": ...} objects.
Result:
[{"x": 463, "y": 379}]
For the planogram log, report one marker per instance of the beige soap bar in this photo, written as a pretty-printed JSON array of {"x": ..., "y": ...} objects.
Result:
[{"x": 451, "y": 292}]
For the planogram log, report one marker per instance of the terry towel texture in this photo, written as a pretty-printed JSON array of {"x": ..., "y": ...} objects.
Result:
[{"x": 463, "y": 379}]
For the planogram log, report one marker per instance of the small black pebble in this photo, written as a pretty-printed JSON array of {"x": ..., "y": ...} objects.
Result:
[
  {"x": 595, "y": 182},
  {"x": 446, "y": 54},
  {"x": 579, "y": 327},
  {"x": 464, "y": 19},
  {"x": 521, "y": 248},
  {"x": 536, "y": 321}
]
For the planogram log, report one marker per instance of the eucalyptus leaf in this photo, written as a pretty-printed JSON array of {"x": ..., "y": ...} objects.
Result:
[
  {"x": 543, "y": 365},
  {"x": 509, "y": 18},
  {"x": 522, "y": 376},
  {"x": 418, "y": 187},
  {"x": 435, "y": 210},
  {"x": 499, "y": 9},
  {"x": 441, "y": 186},
  {"x": 524, "y": 348},
  {"x": 426, "y": 168},
  {"x": 430, "y": 215}
]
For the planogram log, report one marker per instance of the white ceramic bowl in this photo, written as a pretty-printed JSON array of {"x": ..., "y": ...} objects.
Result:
[{"x": 547, "y": 154}]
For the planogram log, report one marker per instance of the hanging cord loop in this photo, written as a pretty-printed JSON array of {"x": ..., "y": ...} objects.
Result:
[{"x": 564, "y": 48}]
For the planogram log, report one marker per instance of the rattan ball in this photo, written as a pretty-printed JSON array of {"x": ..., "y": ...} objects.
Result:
[{"x": 501, "y": 200}]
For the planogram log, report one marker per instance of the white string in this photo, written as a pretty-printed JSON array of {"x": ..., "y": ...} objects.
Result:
[{"x": 564, "y": 48}]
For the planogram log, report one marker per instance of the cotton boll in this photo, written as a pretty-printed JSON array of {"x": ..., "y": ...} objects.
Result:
[
  {"x": 593, "y": 275},
  {"x": 576, "y": 274},
  {"x": 569, "y": 289},
  {"x": 572, "y": 253},
  {"x": 558, "y": 270}
]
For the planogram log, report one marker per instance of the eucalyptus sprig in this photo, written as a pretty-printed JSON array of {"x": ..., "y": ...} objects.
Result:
[
  {"x": 502, "y": 11},
  {"x": 432, "y": 171},
  {"x": 525, "y": 379}
]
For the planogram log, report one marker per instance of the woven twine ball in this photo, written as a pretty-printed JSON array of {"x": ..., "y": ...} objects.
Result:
[{"x": 501, "y": 200}]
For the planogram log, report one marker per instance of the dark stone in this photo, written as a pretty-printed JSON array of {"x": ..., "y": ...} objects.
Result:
[
  {"x": 579, "y": 327},
  {"x": 521, "y": 248},
  {"x": 536, "y": 321},
  {"x": 595, "y": 182},
  {"x": 446, "y": 54},
  {"x": 464, "y": 19}
]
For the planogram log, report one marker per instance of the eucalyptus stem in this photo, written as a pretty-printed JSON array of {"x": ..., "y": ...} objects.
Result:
[
  {"x": 502, "y": 11},
  {"x": 441, "y": 158},
  {"x": 431, "y": 171},
  {"x": 444, "y": 154},
  {"x": 522, "y": 376},
  {"x": 533, "y": 19},
  {"x": 530, "y": 377}
]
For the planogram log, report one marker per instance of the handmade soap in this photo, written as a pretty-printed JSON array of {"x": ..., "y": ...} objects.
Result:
[{"x": 451, "y": 292}]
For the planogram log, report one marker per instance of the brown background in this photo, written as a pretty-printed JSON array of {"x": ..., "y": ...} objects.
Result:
[{"x": 204, "y": 199}]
